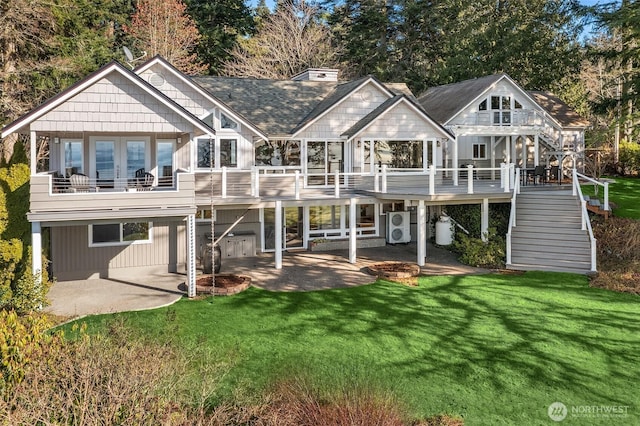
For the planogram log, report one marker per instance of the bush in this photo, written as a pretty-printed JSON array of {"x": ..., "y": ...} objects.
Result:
[
  {"x": 468, "y": 216},
  {"x": 618, "y": 254},
  {"x": 22, "y": 341},
  {"x": 482, "y": 254},
  {"x": 628, "y": 158}
]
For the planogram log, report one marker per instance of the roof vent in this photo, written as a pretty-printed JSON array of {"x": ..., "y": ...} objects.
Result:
[{"x": 317, "y": 74}]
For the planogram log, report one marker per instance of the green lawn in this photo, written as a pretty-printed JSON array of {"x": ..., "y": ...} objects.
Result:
[
  {"x": 625, "y": 193},
  {"x": 495, "y": 349}
]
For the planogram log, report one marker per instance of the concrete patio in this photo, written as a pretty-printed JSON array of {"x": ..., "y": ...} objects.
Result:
[{"x": 301, "y": 271}]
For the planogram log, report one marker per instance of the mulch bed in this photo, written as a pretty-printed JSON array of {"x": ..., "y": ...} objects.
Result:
[{"x": 226, "y": 284}]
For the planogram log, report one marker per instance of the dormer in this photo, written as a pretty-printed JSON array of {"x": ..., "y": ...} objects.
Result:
[{"x": 317, "y": 74}]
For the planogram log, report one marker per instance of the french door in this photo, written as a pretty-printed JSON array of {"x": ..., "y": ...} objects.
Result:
[
  {"x": 292, "y": 228},
  {"x": 115, "y": 160}
]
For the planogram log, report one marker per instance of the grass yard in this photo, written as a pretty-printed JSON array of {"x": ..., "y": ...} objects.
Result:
[
  {"x": 494, "y": 349},
  {"x": 625, "y": 193}
]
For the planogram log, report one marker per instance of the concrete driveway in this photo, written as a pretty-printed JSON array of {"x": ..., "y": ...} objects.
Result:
[{"x": 301, "y": 271}]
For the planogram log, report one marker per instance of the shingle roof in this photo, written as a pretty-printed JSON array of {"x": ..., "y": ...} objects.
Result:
[
  {"x": 275, "y": 106},
  {"x": 443, "y": 102},
  {"x": 559, "y": 110},
  {"x": 283, "y": 107}
]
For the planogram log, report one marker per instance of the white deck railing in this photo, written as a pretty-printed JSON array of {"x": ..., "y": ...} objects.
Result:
[
  {"x": 596, "y": 183},
  {"x": 586, "y": 221},
  {"x": 512, "y": 216}
]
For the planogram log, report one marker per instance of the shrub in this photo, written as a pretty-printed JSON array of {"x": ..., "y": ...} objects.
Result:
[
  {"x": 468, "y": 216},
  {"x": 22, "y": 340},
  {"x": 628, "y": 158},
  {"x": 478, "y": 253},
  {"x": 618, "y": 254}
]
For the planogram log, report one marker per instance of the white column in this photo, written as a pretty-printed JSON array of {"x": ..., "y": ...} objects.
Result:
[
  {"x": 36, "y": 246},
  {"x": 191, "y": 255},
  {"x": 514, "y": 154},
  {"x": 352, "y": 230},
  {"x": 33, "y": 161},
  {"x": 536, "y": 150},
  {"x": 455, "y": 162},
  {"x": 422, "y": 232},
  {"x": 484, "y": 219},
  {"x": 278, "y": 227},
  {"x": 434, "y": 152},
  {"x": 493, "y": 157}
]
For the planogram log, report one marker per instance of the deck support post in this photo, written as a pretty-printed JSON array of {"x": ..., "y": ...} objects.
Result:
[
  {"x": 297, "y": 184},
  {"x": 484, "y": 219},
  {"x": 278, "y": 236},
  {"x": 470, "y": 179},
  {"x": 336, "y": 178},
  {"x": 36, "y": 255},
  {"x": 422, "y": 233},
  {"x": 352, "y": 230},
  {"x": 191, "y": 255},
  {"x": 224, "y": 181},
  {"x": 432, "y": 179},
  {"x": 536, "y": 150},
  {"x": 384, "y": 178}
]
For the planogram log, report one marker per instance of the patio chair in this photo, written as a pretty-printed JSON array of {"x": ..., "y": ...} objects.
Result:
[
  {"x": 539, "y": 175},
  {"x": 145, "y": 181},
  {"x": 79, "y": 183},
  {"x": 554, "y": 174}
]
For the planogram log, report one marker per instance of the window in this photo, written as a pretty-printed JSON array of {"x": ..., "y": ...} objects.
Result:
[
  {"x": 72, "y": 157},
  {"x": 501, "y": 107},
  {"x": 204, "y": 152},
  {"x": 277, "y": 153},
  {"x": 399, "y": 154},
  {"x": 479, "y": 151},
  {"x": 227, "y": 123},
  {"x": 228, "y": 153},
  {"x": 110, "y": 234},
  {"x": 482, "y": 106}
]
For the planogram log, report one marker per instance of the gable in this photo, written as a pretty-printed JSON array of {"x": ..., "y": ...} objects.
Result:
[
  {"x": 352, "y": 108},
  {"x": 177, "y": 89},
  {"x": 504, "y": 89},
  {"x": 113, "y": 104},
  {"x": 402, "y": 122}
]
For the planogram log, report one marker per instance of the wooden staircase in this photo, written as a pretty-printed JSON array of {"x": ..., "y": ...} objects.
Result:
[{"x": 548, "y": 235}]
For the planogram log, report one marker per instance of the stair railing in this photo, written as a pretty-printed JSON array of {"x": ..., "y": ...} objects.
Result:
[
  {"x": 596, "y": 183},
  {"x": 586, "y": 222},
  {"x": 512, "y": 216}
]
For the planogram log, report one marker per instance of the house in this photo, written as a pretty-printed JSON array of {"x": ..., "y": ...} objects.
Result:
[{"x": 141, "y": 160}]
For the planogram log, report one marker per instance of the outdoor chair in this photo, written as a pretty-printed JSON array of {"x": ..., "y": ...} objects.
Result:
[
  {"x": 539, "y": 175},
  {"x": 554, "y": 174},
  {"x": 144, "y": 182},
  {"x": 79, "y": 183}
]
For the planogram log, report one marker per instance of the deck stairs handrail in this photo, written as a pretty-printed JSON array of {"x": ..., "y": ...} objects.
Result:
[
  {"x": 596, "y": 183},
  {"x": 512, "y": 216},
  {"x": 586, "y": 221}
]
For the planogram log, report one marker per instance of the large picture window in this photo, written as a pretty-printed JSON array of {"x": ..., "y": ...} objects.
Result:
[
  {"x": 110, "y": 234},
  {"x": 277, "y": 153},
  {"x": 399, "y": 154}
]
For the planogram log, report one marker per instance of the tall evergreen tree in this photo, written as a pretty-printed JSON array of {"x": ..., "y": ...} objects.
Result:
[{"x": 221, "y": 23}]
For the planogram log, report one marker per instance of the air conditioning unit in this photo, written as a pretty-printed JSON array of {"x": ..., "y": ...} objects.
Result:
[{"x": 398, "y": 227}]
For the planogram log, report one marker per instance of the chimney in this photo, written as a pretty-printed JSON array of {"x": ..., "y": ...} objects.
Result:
[{"x": 317, "y": 74}]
